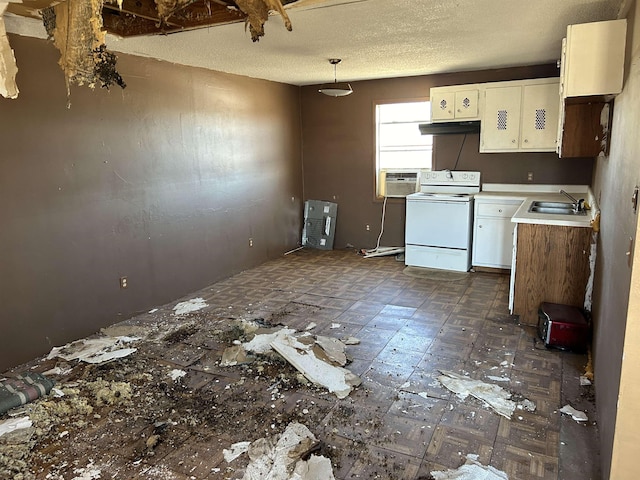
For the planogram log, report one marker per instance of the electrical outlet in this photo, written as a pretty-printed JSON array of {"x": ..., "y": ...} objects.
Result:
[
  {"x": 124, "y": 282},
  {"x": 529, "y": 176},
  {"x": 367, "y": 227},
  {"x": 251, "y": 242}
]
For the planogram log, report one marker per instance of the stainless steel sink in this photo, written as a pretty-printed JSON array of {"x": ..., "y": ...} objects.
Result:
[
  {"x": 554, "y": 208},
  {"x": 568, "y": 205}
]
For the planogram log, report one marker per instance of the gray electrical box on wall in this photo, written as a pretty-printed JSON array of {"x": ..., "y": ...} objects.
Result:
[{"x": 319, "y": 224}]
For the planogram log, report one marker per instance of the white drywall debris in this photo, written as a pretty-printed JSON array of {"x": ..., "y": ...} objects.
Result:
[
  {"x": 262, "y": 343},
  {"x": 498, "y": 379},
  {"x": 153, "y": 310},
  {"x": 175, "y": 374},
  {"x": 311, "y": 326},
  {"x": 351, "y": 341},
  {"x": 8, "y": 67},
  {"x": 577, "y": 415},
  {"x": 316, "y": 468},
  {"x": 471, "y": 470},
  {"x": 94, "y": 350},
  {"x": 495, "y": 396},
  {"x": 57, "y": 393},
  {"x": 87, "y": 473},
  {"x": 13, "y": 424},
  {"x": 56, "y": 371},
  {"x": 333, "y": 348},
  {"x": 235, "y": 451},
  {"x": 279, "y": 457},
  {"x": 337, "y": 380},
  {"x": 527, "y": 405},
  {"x": 335, "y": 325},
  {"x": 189, "y": 306},
  {"x": 584, "y": 381}
]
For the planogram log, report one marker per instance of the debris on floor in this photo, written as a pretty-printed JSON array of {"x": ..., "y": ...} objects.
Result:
[
  {"x": 234, "y": 355},
  {"x": 577, "y": 415},
  {"x": 8, "y": 67},
  {"x": 471, "y": 470},
  {"x": 189, "y": 306},
  {"x": 172, "y": 408},
  {"x": 584, "y": 381},
  {"x": 337, "y": 380},
  {"x": 287, "y": 456},
  {"x": 94, "y": 350},
  {"x": 235, "y": 451},
  {"x": 319, "y": 358},
  {"x": 496, "y": 397},
  {"x": 261, "y": 342},
  {"x": 22, "y": 389},
  {"x": 12, "y": 424}
]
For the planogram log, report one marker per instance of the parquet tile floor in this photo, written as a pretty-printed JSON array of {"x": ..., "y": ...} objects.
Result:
[{"x": 409, "y": 329}]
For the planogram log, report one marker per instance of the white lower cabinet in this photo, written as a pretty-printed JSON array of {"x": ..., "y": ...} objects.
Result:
[{"x": 493, "y": 233}]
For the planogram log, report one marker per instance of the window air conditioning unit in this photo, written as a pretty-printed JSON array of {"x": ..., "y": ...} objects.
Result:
[{"x": 399, "y": 182}]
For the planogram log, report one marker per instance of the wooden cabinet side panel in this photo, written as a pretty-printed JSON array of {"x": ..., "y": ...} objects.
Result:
[
  {"x": 585, "y": 129},
  {"x": 552, "y": 266}
]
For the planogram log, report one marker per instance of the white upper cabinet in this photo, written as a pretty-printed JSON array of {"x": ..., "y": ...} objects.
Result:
[
  {"x": 593, "y": 58},
  {"x": 454, "y": 103},
  {"x": 520, "y": 116},
  {"x": 540, "y": 108},
  {"x": 500, "y": 128}
]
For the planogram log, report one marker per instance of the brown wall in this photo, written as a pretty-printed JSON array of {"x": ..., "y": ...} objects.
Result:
[
  {"x": 163, "y": 182},
  {"x": 616, "y": 299},
  {"x": 339, "y": 152}
]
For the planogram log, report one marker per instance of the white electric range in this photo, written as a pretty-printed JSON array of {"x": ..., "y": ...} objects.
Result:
[{"x": 439, "y": 220}]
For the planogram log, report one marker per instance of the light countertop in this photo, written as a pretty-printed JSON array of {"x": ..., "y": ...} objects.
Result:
[{"x": 550, "y": 193}]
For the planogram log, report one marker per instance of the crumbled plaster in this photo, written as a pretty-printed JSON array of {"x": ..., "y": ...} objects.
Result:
[{"x": 8, "y": 67}]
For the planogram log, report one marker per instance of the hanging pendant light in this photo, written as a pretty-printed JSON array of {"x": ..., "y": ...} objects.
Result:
[{"x": 336, "y": 89}]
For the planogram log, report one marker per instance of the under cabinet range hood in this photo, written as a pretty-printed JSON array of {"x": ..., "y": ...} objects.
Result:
[{"x": 449, "y": 128}]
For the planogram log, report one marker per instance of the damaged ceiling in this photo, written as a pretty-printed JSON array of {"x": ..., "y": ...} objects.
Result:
[{"x": 374, "y": 38}]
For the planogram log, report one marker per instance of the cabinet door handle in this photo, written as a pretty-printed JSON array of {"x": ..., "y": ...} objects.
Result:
[{"x": 499, "y": 210}]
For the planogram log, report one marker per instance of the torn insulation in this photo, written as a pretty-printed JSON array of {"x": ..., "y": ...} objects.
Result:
[
  {"x": 8, "y": 67},
  {"x": 77, "y": 32},
  {"x": 166, "y": 8},
  {"x": 257, "y": 12}
]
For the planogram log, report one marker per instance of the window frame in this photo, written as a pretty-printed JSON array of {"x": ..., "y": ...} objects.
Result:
[{"x": 375, "y": 162}]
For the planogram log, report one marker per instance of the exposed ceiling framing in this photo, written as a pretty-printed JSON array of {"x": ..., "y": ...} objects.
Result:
[{"x": 142, "y": 17}]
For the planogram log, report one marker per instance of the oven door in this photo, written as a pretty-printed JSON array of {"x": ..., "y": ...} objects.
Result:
[{"x": 438, "y": 223}]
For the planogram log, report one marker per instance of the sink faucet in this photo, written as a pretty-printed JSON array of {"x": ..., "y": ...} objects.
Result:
[{"x": 576, "y": 204}]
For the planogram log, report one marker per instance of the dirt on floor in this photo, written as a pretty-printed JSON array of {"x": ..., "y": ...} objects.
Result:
[{"x": 120, "y": 415}]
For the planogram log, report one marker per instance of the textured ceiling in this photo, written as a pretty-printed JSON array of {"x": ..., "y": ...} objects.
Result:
[{"x": 374, "y": 38}]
